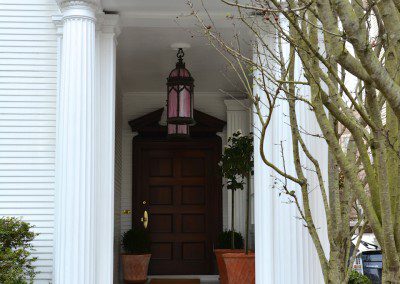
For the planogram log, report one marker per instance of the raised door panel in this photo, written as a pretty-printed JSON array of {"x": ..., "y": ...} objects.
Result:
[
  {"x": 161, "y": 223},
  {"x": 161, "y": 167},
  {"x": 161, "y": 251},
  {"x": 193, "y": 195},
  {"x": 193, "y": 223},
  {"x": 193, "y": 167},
  {"x": 160, "y": 195},
  {"x": 193, "y": 251}
]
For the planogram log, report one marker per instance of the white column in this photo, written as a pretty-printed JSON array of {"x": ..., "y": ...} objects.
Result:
[
  {"x": 263, "y": 214},
  {"x": 85, "y": 147},
  {"x": 285, "y": 252},
  {"x": 106, "y": 33},
  {"x": 238, "y": 118}
]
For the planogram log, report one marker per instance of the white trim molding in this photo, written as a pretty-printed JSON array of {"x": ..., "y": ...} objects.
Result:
[{"x": 238, "y": 96}]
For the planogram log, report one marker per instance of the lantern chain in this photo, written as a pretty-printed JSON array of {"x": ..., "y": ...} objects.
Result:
[{"x": 180, "y": 55}]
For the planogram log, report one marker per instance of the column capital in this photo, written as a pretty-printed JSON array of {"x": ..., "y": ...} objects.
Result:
[
  {"x": 237, "y": 105},
  {"x": 57, "y": 20},
  {"x": 79, "y": 8},
  {"x": 65, "y": 3},
  {"x": 109, "y": 23}
]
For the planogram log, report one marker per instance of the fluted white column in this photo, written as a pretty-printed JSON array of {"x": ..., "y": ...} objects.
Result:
[
  {"x": 238, "y": 118},
  {"x": 285, "y": 252},
  {"x": 106, "y": 34},
  {"x": 82, "y": 178}
]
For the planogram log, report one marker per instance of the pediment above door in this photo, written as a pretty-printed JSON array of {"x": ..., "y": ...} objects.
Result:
[{"x": 148, "y": 125}]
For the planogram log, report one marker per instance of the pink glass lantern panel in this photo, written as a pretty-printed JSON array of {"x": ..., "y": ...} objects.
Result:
[
  {"x": 184, "y": 102},
  {"x": 183, "y": 129},
  {"x": 178, "y": 129},
  {"x": 174, "y": 73},
  {"x": 171, "y": 129},
  {"x": 172, "y": 103},
  {"x": 184, "y": 72}
]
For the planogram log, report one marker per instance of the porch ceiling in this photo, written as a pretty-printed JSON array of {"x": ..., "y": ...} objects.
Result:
[
  {"x": 144, "y": 55},
  {"x": 154, "y": 12}
]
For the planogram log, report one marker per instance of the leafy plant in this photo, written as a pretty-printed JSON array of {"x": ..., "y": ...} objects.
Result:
[
  {"x": 136, "y": 241},
  {"x": 237, "y": 161},
  {"x": 358, "y": 278},
  {"x": 237, "y": 165},
  {"x": 16, "y": 263},
  {"x": 225, "y": 240}
]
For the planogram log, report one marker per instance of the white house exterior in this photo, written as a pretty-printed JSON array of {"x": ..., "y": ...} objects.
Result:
[{"x": 72, "y": 75}]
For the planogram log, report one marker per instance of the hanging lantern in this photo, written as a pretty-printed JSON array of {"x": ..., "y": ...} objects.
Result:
[
  {"x": 180, "y": 94},
  {"x": 178, "y": 130}
]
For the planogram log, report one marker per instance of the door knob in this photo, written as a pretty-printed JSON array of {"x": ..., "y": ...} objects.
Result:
[{"x": 145, "y": 219}]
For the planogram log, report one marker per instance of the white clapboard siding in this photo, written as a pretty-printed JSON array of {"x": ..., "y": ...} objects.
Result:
[{"x": 28, "y": 83}]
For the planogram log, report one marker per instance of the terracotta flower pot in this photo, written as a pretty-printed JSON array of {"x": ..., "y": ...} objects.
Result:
[
  {"x": 240, "y": 267},
  {"x": 135, "y": 267},
  {"x": 223, "y": 277}
]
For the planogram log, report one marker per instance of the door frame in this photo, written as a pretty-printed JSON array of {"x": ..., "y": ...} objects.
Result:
[{"x": 213, "y": 143}]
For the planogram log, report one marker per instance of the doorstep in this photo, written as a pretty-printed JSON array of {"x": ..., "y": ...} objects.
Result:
[{"x": 204, "y": 279}]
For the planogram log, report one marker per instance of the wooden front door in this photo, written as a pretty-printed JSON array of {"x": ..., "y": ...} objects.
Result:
[{"x": 177, "y": 183}]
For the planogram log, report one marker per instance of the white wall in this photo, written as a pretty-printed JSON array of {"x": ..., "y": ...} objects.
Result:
[
  {"x": 139, "y": 104},
  {"x": 117, "y": 183},
  {"x": 28, "y": 65},
  {"x": 239, "y": 117}
]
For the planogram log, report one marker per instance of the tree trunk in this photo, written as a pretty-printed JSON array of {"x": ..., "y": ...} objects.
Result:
[
  {"x": 247, "y": 214},
  {"x": 390, "y": 273},
  {"x": 390, "y": 276},
  {"x": 337, "y": 268},
  {"x": 233, "y": 221}
]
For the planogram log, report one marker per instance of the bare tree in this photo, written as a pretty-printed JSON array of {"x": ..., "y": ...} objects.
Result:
[{"x": 348, "y": 52}]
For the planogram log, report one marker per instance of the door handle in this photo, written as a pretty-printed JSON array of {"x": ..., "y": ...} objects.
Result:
[{"x": 145, "y": 219}]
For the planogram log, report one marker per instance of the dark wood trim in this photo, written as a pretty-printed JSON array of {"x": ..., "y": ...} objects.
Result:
[
  {"x": 148, "y": 125},
  {"x": 139, "y": 123}
]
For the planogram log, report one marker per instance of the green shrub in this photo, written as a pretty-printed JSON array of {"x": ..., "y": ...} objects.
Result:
[
  {"x": 16, "y": 263},
  {"x": 357, "y": 278},
  {"x": 136, "y": 241},
  {"x": 225, "y": 240}
]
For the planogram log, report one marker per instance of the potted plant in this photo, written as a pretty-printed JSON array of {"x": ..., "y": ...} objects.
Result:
[
  {"x": 135, "y": 260},
  {"x": 237, "y": 165},
  {"x": 225, "y": 246}
]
